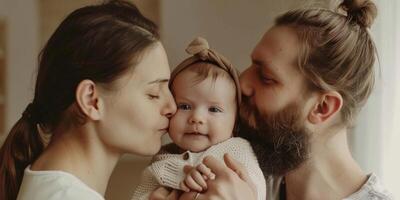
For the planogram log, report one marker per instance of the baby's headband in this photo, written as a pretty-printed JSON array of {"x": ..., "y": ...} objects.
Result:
[{"x": 200, "y": 51}]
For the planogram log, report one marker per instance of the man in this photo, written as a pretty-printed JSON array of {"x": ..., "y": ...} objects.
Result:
[{"x": 310, "y": 75}]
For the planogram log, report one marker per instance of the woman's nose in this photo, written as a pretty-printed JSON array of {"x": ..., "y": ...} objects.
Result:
[{"x": 169, "y": 107}]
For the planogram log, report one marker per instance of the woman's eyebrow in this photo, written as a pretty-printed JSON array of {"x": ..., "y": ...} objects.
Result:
[{"x": 166, "y": 80}]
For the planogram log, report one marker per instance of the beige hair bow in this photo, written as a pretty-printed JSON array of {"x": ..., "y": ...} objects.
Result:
[{"x": 200, "y": 51}]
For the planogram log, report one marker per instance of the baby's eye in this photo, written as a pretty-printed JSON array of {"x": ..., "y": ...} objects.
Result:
[
  {"x": 184, "y": 107},
  {"x": 214, "y": 109}
]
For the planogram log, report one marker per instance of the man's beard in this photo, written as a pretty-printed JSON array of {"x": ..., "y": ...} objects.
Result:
[{"x": 280, "y": 140}]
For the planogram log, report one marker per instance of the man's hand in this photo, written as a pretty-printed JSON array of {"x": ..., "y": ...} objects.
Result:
[
  {"x": 231, "y": 182},
  {"x": 163, "y": 193}
]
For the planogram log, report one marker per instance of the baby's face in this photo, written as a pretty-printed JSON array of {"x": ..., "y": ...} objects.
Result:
[{"x": 206, "y": 111}]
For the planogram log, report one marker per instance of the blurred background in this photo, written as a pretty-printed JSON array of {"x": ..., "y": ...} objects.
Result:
[{"x": 233, "y": 27}]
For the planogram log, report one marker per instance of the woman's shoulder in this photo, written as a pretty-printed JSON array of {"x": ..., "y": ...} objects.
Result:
[{"x": 51, "y": 185}]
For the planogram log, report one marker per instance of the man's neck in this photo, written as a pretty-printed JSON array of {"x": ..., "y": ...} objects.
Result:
[
  {"x": 81, "y": 153},
  {"x": 330, "y": 173}
]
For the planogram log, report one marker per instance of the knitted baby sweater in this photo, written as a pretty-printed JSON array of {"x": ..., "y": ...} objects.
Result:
[{"x": 166, "y": 168}]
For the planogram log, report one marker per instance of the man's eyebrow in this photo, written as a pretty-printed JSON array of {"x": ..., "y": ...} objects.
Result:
[
  {"x": 166, "y": 80},
  {"x": 264, "y": 66},
  {"x": 258, "y": 62}
]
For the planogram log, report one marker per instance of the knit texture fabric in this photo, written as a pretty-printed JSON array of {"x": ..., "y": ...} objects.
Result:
[{"x": 166, "y": 168}]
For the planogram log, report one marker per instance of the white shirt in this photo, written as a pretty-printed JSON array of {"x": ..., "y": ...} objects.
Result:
[
  {"x": 371, "y": 190},
  {"x": 54, "y": 185}
]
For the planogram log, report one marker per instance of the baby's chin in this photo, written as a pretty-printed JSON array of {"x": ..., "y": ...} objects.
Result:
[
  {"x": 195, "y": 148},
  {"x": 199, "y": 149}
]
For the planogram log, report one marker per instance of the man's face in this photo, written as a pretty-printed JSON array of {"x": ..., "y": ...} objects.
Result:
[{"x": 275, "y": 103}]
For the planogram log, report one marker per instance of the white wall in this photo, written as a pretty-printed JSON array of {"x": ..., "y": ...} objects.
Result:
[
  {"x": 232, "y": 27},
  {"x": 22, "y": 50},
  {"x": 384, "y": 112}
]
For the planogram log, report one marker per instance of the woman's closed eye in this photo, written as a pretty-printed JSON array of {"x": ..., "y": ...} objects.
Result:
[
  {"x": 153, "y": 96},
  {"x": 183, "y": 106}
]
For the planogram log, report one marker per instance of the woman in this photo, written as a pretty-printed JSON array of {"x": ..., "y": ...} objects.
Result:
[{"x": 101, "y": 91}]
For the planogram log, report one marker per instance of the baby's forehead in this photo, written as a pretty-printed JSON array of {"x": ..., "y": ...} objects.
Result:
[
  {"x": 206, "y": 68},
  {"x": 218, "y": 83},
  {"x": 189, "y": 85},
  {"x": 194, "y": 75}
]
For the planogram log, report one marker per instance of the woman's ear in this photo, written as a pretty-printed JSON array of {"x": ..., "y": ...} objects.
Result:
[
  {"x": 88, "y": 100},
  {"x": 329, "y": 104}
]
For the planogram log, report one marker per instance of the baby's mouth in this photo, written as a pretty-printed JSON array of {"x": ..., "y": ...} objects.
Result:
[{"x": 196, "y": 133}]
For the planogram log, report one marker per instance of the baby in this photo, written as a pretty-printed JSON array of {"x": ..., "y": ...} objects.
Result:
[{"x": 207, "y": 93}]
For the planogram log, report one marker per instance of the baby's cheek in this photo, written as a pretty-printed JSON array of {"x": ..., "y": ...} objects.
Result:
[
  {"x": 176, "y": 126},
  {"x": 221, "y": 132},
  {"x": 175, "y": 118}
]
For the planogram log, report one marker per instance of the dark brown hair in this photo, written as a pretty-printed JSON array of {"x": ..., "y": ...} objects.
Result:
[
  {"x": 99, "y": 43},
  {"x": 337, "y": 52}
]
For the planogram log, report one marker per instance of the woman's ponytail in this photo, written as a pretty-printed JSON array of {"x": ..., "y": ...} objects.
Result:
[{"x": 21, "y": 147}]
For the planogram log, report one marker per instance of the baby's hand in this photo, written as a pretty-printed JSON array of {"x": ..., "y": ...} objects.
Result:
[{"x": 196, "y": 178}]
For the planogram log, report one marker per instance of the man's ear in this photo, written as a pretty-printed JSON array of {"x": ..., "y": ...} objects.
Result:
[
  {"x": 87, "y": 98},
  {"x": 329, "y": 104}
]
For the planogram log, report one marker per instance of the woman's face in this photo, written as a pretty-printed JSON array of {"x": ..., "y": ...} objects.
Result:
[{"x": 137, "y": 114}]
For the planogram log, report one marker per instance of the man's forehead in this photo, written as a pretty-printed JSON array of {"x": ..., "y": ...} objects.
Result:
[
  {"x": 277, "y": 55},
  {"x": 260, "y": 54},
  {"x": 273, "y": 42},
  {"x": 279, "y": 44},
  {"x": 263, "y": 55}
]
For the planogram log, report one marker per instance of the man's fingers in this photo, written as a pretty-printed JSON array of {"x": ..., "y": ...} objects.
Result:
[
  {"x": 174, "y": 195},
  {"x": 240, "y": 170},
  {"x": 191, "y": 196},
  {"x": 216, "y": 166},
  {"x": 163, "y": 193},
  {"x": 237, "y": 167},
  {"x": 160, "y": 193}
]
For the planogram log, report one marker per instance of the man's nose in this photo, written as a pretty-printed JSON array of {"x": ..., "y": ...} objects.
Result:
[{"x": 246, "y": 82}]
